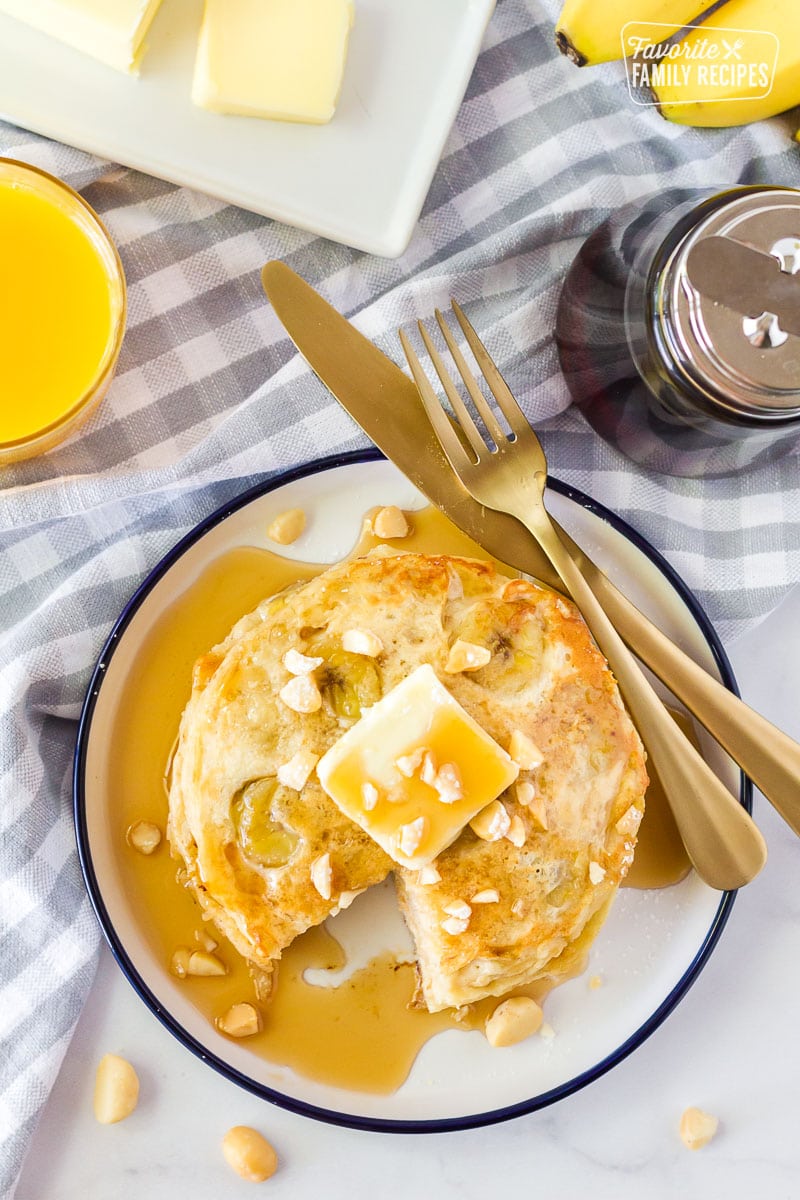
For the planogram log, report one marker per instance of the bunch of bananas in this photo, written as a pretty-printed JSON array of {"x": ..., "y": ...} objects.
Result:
[{"x": 738, "y": 61}]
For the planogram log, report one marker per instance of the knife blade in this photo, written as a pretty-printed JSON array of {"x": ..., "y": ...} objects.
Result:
[{"x": 387, "y": 406}]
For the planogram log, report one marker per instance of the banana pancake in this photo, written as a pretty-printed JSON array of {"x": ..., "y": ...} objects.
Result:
[
  {"x": 269, "y": 854},
  {"x": 529, "y": 902}
]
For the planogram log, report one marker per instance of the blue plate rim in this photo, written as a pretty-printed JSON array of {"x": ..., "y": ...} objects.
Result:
[{"x": 302, "y": 1108}]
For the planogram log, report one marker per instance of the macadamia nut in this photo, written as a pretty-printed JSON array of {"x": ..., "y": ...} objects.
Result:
[
  {"x": 249, "y": 1154},
  {"x": 116, "y": 1089}
]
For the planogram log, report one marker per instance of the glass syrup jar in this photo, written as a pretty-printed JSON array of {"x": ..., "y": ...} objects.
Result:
[{"x": 678, "y": 329}]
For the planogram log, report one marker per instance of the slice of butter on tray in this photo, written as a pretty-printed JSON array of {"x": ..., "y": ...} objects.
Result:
[
  {"x": 415, "y": 769},
  {"x": 112, "y": 31},
  {"x": 278, "y": 59}
]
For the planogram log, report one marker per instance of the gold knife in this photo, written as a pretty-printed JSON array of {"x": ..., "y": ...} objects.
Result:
[{"x": 387, "y": 406}]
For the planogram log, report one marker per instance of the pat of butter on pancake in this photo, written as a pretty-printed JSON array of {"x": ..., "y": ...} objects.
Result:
[
  {"x": 406, "y": 815},
  {"x": 278, "y": 59}
]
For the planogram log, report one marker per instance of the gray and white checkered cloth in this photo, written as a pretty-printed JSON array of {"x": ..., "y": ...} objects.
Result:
[{"x": 210, "y": 393}]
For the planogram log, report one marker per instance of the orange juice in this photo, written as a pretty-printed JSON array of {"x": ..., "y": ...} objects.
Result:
[{"x": 62, "y": 310}]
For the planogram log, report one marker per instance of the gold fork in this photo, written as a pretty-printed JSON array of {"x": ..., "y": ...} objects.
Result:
[{"x": 722, "y": 841}]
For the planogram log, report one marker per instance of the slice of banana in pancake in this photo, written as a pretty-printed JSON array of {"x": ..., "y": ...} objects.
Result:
[{"x": 269, "y": 854}]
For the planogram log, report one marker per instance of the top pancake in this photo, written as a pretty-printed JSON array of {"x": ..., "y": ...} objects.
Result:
[{"x": 251, "y": 870}]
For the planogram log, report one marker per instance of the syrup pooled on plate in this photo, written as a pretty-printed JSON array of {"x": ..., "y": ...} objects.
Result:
[{"x": 363, "y": 1033}]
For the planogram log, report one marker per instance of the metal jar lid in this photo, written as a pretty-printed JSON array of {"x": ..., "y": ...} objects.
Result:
[{"x": 729, "y": 305}]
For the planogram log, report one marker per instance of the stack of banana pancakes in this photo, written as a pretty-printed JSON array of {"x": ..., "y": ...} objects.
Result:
[{"x": 268, "y": 853}]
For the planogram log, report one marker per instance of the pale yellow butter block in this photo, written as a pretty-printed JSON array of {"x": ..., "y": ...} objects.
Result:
[
  {"x": 279, "y": 59},
  {"x": 112, "y": 31},
  {"x": 415, "y": 769}
]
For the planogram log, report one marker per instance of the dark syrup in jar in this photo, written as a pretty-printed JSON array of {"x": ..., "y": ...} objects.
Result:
[{"x": 617, "y": 347}]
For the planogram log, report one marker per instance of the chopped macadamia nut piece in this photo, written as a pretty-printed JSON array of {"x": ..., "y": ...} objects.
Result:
[
  {"x": 390, "y": 522},
  {"x": 525, "y": 753},
  {"x": 301, "y": 694},
  {"x": 448, "y": 783},
  {"x": 204, "y": 940},
  {"x": 427, "y": 771},
  {"x": 204, "y": 964},
  {"x": 143, "y": 836},
  {"x": 525, "y": 792},
  {"x": 596, "y": 873},
  {"x": 409, "y": 764},
  {"x": 493, "y": 823},
  {"x": 537, "y": 813},
  {"x": 595, "y": 982},
  {"x": 455, "y": 925},
  {"x": 249, "y": 1154},
  {"x": 458, "y": 908},
  {"x": 513, "y": 1020},
  {"x": 179, "y": 963},
  {"x": 518, "y": 908},
  {"x": 429, "y": 874},
  {"x": 361, "y": 641},
  {"x": 487, "y": 896},
  {"x": 423, "y": 756},
  {"x": 466, "y": 656},
  {"x": 240, "y": 1021},
  {"x": 322, "y": 875},
  {"x": 300, "y": 664},
  {"x": 516, "y": 831},
  {"x": 410, "y": 836},
  {"x": 287, "y": 526},
  {"x": 547, "y": 1033},
  {"x": 116, "y": 1089},
  {"x": 346, "y": 898},
  {"x": 297, "y": 771},
  {"x": 369, "y": 796},
  {"x": 697, "y": 1128}
]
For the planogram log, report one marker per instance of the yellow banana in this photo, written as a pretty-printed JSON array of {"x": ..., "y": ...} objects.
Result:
[
  {"x": 744, "y": 65},
  {"x": 590, "y": 31}
]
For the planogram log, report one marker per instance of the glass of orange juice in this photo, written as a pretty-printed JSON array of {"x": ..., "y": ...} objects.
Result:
[{"x": 62, "y": 310}]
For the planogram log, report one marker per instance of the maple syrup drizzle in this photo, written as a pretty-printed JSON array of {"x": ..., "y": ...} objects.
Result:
[{"x": 364, "y": 1033}]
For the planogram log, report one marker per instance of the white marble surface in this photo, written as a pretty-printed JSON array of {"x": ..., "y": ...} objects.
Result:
[{"x": 730, "y": 1047}]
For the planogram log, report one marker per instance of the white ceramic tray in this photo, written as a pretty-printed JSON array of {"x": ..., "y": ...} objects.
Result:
[{"x": 360, "y": 180}]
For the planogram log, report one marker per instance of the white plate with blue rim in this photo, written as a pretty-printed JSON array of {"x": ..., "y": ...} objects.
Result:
[{"x": 649, "y": 952}]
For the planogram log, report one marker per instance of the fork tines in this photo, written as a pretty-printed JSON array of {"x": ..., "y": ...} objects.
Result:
[{"x": 497, "y": 385}]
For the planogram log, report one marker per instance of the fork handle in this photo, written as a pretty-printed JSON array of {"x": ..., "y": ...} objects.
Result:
[
  {"x": 722, "y": 841},
  {"x": 768, "y": 755}
]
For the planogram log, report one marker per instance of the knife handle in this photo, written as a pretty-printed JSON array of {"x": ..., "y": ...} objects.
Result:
[{"x": 770, "y": 757}]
